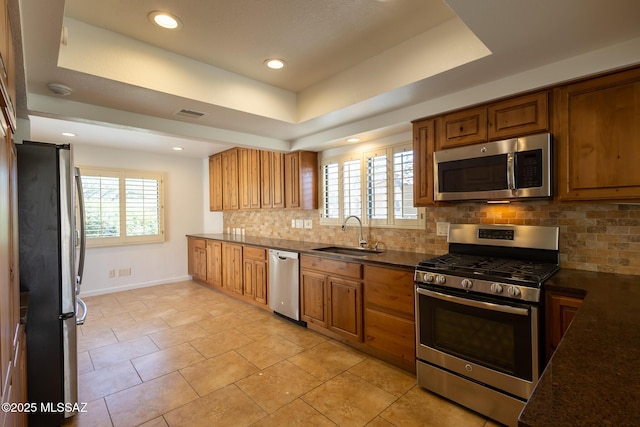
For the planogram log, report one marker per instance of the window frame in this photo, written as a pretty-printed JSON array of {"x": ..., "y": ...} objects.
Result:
[
  {"x": 362, "y": 156},
  {"x": 123, "y": 175}
]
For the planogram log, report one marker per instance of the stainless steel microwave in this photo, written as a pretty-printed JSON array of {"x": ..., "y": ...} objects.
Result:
[{"x": 502, "y": 170}]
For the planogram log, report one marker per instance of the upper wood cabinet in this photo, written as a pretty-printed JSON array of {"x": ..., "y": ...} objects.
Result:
[
  {"x": 230, "y": 179},
  {"x": 463, "y": 128},
  {"x": 597, "y": 135},
  {"x": 423, "y": 148},
  {"x": 249, "y": 178},
  {"x": 215, "y": 182},
  {"x": 510, "y": 118},
  {"x": 301, "y": 180},
  {"x": 518, "y": 116},
  {"x": 272, "y": 181}
]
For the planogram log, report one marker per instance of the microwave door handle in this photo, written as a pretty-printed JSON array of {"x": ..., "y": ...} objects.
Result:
[{"x": 511, "y": 174}]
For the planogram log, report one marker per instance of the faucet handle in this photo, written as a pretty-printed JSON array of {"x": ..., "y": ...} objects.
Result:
[{"x": 363, "y": 243}]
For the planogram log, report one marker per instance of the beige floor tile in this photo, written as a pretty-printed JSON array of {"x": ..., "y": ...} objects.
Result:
[
  {"x": 105, "y": 323},
  {"x": 348, "y": 400},
  {"x": 149, "y": 400},
  {"x": 326, "y": 360},
  {"x": 269, "y": 350},
  {"x": 162, "y": 362},
  {"x": 278, "y": 385},
  {"x": 380, "y": 422},
  {"x": 103, "y": 382},
  {"x": 125, "y": 333},
  {"x": 304, "y": 337},
  {"x": 421, "y": 408},
  {"x": 96, "y": 340},
  {"x": 121, "y": 351},
  {"x": 225, "y": 407},
  {"x": 185, "y": 317},
  {"x": 225, "y": 307},
  {"x": 230, "y": 320},
  {"x": 295, "y": 414},
  {"x": 122, "y": 308},
  {"x": 153, "y": 311},
  {"x": 391, "y": 379},
  {"x": 178, "y": 335},
  {"x": 84, "y": 363},
  {"x": 95, "y": 414},
  {"x": 218, "y": 372},
  {"x": 156, "y": 422},
  {"x": 222, "y": 342},
  {"x": 271, "y": 325}
]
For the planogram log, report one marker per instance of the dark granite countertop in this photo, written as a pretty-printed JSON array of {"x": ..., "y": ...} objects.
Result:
[
  {"x": 593, "y": 378},
  {"x": 390, "y": 258}
]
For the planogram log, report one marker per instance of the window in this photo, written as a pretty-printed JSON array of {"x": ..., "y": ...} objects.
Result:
[
  {"x": 377, "y": 186},
  {"x": 122, "y": 206}
]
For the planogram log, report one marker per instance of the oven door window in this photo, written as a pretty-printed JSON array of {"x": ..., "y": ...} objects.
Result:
[
  {"x": 497, "y": 340},
  {"x": 477, "y": 174}
]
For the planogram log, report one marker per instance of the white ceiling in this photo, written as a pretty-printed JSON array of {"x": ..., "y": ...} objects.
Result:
[{"x": 354, "y": 67}]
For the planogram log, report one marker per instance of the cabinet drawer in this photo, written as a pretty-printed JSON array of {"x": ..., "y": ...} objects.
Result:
[
  {"x": 199, "y": 243},
  {"x": 390, "y": 334},
  {"x": 389, "y": 290},
  {"x": 332, "y": 266},
  {"x": 253, "y": 252}
]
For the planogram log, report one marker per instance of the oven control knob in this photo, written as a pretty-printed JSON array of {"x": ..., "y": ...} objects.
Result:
[
  {"x": 513, "y": 291},
  {"x": 441, "y": 280},
  {"x": 429, "y": 278},
  {"x": 467, "y": 284},
  {"x": 496, "y": 288}
]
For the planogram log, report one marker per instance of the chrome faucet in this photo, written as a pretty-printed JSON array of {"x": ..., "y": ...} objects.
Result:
[{"x": 362, "y": 242}]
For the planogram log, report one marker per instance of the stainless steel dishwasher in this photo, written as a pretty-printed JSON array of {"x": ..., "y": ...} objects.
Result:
[{"x": 284, "y": 290}]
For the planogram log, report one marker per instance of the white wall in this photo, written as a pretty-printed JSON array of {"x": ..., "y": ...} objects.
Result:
[{"x": 150, "y": 264}]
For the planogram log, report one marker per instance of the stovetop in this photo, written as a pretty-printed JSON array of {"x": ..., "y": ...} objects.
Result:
[{"x": 527, "y": 272}]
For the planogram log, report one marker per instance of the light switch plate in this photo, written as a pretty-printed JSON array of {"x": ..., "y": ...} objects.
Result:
[
  {"x": 293, "y": 223},
  {"x": 308, "y": 223},
  {"x": 442, "y": 228},
  {"x": 299, "y": 223}
]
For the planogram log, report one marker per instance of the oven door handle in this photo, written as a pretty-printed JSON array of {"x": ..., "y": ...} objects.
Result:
[{"x": 472, "y": 303}]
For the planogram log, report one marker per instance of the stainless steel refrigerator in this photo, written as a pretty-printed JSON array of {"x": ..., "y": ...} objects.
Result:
[{"x": 51, "y": 264}]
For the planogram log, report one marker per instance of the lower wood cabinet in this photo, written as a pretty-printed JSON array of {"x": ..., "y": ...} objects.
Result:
[
  {"x": 389, "y": 322},
  {"x": 560, "y": 310},
  {"x": 331, "y": 297},
  {"x": 214, "y": 263},
  {"x": 197, "y": 258},
  {"x": 256, "y": 274},
  {"x": 232, "y": 267}
]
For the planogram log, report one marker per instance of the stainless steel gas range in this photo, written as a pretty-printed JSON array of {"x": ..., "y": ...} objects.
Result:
[{"x": 479, "y": 313}]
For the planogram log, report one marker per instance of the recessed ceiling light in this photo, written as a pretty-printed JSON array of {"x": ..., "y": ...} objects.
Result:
[
  {"x": 275, "y": 63},
  {"x": 68, "y": 134},
  {"x": 178, "y": 148},
  {"x": 353, "y": 140},
  {"x": 59, "y": 89},
  {"x": 165, "y": 20}
]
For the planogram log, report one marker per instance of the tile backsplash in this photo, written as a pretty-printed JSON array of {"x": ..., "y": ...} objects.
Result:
[{"x": 597, "y": 237}]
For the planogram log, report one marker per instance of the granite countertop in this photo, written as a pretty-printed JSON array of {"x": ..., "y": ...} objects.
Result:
[
  {"x": 390, "y": 258},
  {"x": 593, "y": 378}
]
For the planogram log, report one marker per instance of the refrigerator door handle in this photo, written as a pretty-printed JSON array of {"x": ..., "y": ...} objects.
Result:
[
  {"x": 83, "y": 306},
  {"x": 83, "y": 239}
]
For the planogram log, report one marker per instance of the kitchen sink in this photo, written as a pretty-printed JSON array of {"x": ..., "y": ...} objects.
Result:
[{"x": 348, "y": 250}]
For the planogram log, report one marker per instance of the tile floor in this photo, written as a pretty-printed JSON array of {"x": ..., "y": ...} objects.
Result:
[{"x": 183, "y": 354}]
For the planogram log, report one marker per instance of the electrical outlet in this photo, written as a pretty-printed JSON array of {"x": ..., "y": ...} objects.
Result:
[
  {"x": 442, "y": 228},
  {"x": 308, "y": 223},
  {"x": 112, "y": 274},
  {"x": 124, "y": 272}
]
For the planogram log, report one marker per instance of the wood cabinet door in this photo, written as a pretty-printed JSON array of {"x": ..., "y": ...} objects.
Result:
[
  {"x": 560, "y": 312},
  {"x": 423, "y": 147},
  {"x": 249, "y": 276},
  {"x": 261, "y": 278},
  {"x": 292, "y": 180},
  {"x": 215, "y": 183},
  {"x": 230, "y": 179},
  {"x": 519, "y": 116},
  {"x": 598, "y": 138},
  {"x": 313, "y": 297},
  {"x": 272, "y": 182},
  {"x": 197, "y": 258},
  {"x": 301, "y": 180},
  {"x": 345, "y": 307},
  {"x": 462, "y": 128},
  {"x": 248, "y": 178},
  {"x": 214, "y": 263},
  {"x": 232, "y": 267}
]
